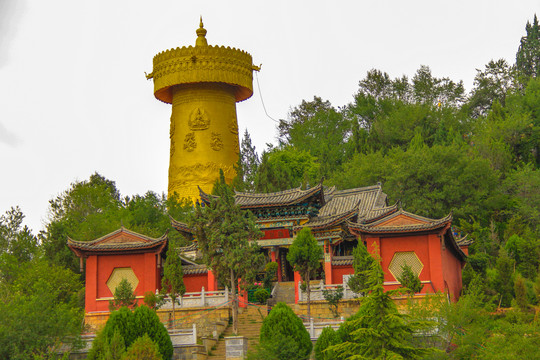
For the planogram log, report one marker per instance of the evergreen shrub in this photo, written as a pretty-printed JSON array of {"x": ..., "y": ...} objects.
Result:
[
  {"x": 143, "y": 349},
  {"x": 327, "y": 338},
  {"x": 261, "y": 295},
  {"x": 131, "y": 326},
  {"x": 283, "y": 334}
]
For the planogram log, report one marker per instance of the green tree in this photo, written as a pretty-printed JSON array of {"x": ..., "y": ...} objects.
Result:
[
  {"x": 409, "y": 280},
  {"x": 227, "y": 238},
  {"x": 333, "y": 297},
  {"x": 173, "y": 276},
  {"x": 132, "y": 325},
  {"x": 285, "y": 168},
  {"x": 39, "y": 310},
  {"x": 379, "y": 331},
  {"x": 327, "y": 338},
  {"x": 300, "y": 114},
  {"x": 528, "y": 54},
  {"x": 305, "y": 257},
  {"x": 247, "y": 166},
  {"x": 283, "y": 335},
  {"x": 123, "y": 296},
  {"x": 143, "y": 349},
  {"x": 492, "y": 84},
  {"x": 328, "y": 147},
  {"x": 361, "y": 264}
]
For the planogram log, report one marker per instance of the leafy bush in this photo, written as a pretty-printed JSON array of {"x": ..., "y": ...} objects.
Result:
[
  {"x": 261, "y": 295},
  {"x": 333, "y": 297},
  {"x": 283, "y": 334},
  {"x": 132, "y": 325},
  {"x": 327, "y": 338},
  {"x": 143, "y": 349}
]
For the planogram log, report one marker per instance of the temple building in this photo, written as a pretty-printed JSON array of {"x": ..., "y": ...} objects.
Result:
[{"x": 340, "y": 220}]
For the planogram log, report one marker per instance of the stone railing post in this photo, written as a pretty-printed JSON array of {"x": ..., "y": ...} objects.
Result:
[
  {"x": 236, "y": 347},
  {"x": 194, "y": 333},
  {"x": 203, "y": 300},
  {"x": 300, "y": 292},
  {"x": 311, "y": 328},
  {"x": 226, "y": 294}
]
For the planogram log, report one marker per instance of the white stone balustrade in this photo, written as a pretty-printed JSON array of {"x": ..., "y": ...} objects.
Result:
[
  {"x": 199, "y": 299},
  {"x": 184, "y": 336},
  {"x": 316, "y": 292},
  {"x": 315, "y": 328}
]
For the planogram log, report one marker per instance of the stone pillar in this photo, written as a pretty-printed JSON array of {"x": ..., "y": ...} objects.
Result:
[{"x": 236, "y": 347}]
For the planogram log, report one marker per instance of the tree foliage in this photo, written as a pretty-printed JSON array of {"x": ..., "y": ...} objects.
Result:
[
  {"x": 172, "y": 281},
  {"x": 131, "y": 325},
  {"x": 305, "y": 257},
  {"x": 379, "y": 331},
  {"x": 410, "y": 280},
  {"x": 227, "y": 238},
  {"x": 283, "y": 335},
  {"x": 124, "y": 296}
]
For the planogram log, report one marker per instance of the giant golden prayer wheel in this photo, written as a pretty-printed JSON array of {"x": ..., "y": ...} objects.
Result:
[{"x": 203, "y": 83}]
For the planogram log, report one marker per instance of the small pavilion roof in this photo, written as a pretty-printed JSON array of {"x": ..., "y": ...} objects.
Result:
[
  {"x": 121, "y": 240},
  {"x": 362, "y": 199},
  {"x": 343, "y": 205},
  {"x": 180, "y": 226},
  {"x": 281, "y": 198},
  {"x": 385, "y": 225}
]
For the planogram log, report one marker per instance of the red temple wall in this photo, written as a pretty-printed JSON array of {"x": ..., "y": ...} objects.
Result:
[
  {"x": 195, "y": 282},
  {"x": 419, "y": 244},
  {"x": 451, "y": 273},
  {"x": 100, "y": 268},
  {"x": 339, "y": 271}
]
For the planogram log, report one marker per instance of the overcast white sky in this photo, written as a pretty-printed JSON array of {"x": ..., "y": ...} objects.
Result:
[{"x": 74, "y": 99}]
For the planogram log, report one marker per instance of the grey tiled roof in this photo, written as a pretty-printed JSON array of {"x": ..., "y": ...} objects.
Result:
[
  {"x": 342, "y": 260},
  {"x": 194, "y": 269},
  {"x": 363, "y": 199},
  {"x": 121, "y": 239},
  {"x": 281, "y": 198},
  {"x": 426, "y": 224}
]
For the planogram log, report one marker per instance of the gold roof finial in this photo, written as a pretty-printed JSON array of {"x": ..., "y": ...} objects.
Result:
[{"x": 201, "y": 35}]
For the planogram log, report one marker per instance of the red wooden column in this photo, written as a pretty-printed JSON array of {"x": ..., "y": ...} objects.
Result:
[
  {"x": 91, "y": 284},
  {"x": 274, "y": 255},
  {"x": 328, "y": 262},
  {"x": 297, "y": 279},
  {"x": 212, "y": 281}
]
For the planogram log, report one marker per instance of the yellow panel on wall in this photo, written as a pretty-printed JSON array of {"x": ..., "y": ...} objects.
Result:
[{"x": 122, "y": 273}]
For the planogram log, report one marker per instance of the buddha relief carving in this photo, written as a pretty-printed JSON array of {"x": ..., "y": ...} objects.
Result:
[{"x": 198, "y": 120}]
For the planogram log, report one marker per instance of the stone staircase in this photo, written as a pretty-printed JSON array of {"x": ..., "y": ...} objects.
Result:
[
  {"x": 284, "y": 293},
  {"x": 249, "y": 325}
]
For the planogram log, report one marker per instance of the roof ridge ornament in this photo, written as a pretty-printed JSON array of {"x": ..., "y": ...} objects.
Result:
[{"x": 201, "y": 35}]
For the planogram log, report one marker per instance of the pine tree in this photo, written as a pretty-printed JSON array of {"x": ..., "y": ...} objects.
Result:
[
  {"x": 305, "y": 255},
  {"x": 409, "y": 280},
  {"x": 361, "y": 263},
  {"x": 227, "y": 238},
  {"x": 378, "y": 330},
  {"x": 248, "y": 165},
  {"x": 123, "y": 296},
  {"x": 528, "y": 54},
  {"x": 173, "y": 276}
]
